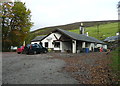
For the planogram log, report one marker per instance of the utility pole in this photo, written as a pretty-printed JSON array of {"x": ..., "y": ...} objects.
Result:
[
  {"x": 118, "y": 6},
  {"x": 118, "y": 10},
  {"x": 98, "y": 31}
]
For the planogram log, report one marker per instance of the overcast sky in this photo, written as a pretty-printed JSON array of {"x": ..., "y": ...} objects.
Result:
[{"x": 47, "y": 13}]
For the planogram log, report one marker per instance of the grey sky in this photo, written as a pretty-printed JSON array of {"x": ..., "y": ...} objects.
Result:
[{"x": 47, "y": 13}]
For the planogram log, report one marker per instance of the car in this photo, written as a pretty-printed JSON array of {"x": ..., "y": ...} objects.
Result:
[
  {"x": 20, "y": 49},
  {"x": 35, "y": 49}
]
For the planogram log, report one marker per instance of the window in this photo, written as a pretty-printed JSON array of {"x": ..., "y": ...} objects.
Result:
[
  {"x": 19, "y": 46},
  {"x": 46, "y": 44},
  {"x": 35, "y": 46},
  {"x": 40, "y": 46},
  {"x": 57, "y": 44}
]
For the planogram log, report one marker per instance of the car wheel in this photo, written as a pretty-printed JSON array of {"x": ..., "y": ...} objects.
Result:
[
  {"x": 18, "y": 52},
  {"x": 26, "y": 52},
  {"x": 34, "y": 52},
  {"x": 23, "y": 52},
  {"x": 45, "y": 51}
]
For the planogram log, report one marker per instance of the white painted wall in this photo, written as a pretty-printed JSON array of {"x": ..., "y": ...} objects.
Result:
[
  {"x": 35, "y": 42},
  {"x": 66, "y": 45},
  {"x": 92, "y": 45},
  {"x": 50, "y": 40},
  {"x": 74, "y": 46},
  {"x": 105, "y": 46},
  {"x": 61, "y": 46},
  {"x": 56, "y": 48},
  {"x": 83, "y": 44},
  {"x": 99, "y": 45}
]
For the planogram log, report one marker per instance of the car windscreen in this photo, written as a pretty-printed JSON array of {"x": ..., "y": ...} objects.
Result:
[
  {"x": 40, "y": 46},
  {"x": 28, "y": 45},
  {"x": 19, "y": 46},
  {"x": 35, "y": 46}
]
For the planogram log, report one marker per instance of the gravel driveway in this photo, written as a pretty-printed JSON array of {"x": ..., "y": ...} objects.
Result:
[{"x": 33, "y": 69}]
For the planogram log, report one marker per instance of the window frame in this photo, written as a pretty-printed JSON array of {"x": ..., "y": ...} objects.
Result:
[
  {"x": 46, "y": 43},
  {"x": 57, "y": 44}
]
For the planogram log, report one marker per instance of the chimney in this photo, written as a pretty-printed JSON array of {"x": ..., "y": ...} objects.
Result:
[
  {"x": 81, "y": 29},
  {"x": 86, "y": 33},
  {"x": 117, "y": 34}
]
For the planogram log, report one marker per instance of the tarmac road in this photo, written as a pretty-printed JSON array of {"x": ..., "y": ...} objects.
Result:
[{"x": 33, "y": 69}]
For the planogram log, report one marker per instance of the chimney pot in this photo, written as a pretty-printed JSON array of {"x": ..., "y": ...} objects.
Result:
[
  {"x": 81, "y": 24},
  {"x": 117, "y": 33},
  {"x": 81, "y": 29},
  {"x": 86, "y": 33}
]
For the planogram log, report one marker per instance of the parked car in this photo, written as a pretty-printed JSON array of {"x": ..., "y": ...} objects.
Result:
[
  {"x": 20, "y": 49},
  {"x": 35, "y": 49},
  {"x": 13, "y": 48}
]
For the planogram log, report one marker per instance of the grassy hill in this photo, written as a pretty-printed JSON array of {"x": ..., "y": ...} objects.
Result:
[
  {"x": 105, "y": 30},
  {"x": 72, "y": 26}
]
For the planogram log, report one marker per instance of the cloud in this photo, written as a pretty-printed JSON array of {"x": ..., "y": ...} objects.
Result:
[
  {"x": 5, "y": 0},
  {"x": 57, "y": 12}
]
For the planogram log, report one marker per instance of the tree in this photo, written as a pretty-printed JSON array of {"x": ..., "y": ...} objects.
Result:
[
  {"x": 5, "y": 17},
  {"x": 16, "y": 23},
  {"x": 20, "y": 24}
]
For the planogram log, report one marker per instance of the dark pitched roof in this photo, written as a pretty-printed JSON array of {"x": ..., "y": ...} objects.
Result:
[
  {"x": 112, "y": 38},
  {"x": 38, "y": 38},
  {"x": 80, "y": 36},
  {"x": 71, "y": 35},
  {"x": 97, "y": 41}
]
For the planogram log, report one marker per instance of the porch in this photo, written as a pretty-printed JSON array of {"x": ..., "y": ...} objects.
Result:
[{"x": 73, "y": 46}]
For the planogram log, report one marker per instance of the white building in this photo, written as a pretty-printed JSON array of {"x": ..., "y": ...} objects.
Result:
[
  {"x": 112, "y": 38},
  {"x": 64, "y": 41}
]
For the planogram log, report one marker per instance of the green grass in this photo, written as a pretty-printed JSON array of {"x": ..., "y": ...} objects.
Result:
[
  {"x": 116, "y": 65},
  {"x": 115, "y": 59},
  {"x": 105, "y": 30}
]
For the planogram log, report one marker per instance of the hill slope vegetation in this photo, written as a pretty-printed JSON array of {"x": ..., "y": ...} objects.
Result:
[
  {"x": 101, "y": 31},
  {"x": 106, "y": 29}
]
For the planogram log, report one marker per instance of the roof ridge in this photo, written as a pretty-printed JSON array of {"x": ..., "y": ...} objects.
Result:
[{"x": 84, "y": 37}]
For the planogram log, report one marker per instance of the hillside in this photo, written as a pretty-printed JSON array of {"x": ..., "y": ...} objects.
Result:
[
  {"x": 72, "y": 26},
  {"x": 105, "y": 30}
]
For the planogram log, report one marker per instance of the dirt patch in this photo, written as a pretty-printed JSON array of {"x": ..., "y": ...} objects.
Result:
[
  {"x": 91, "y": 68},
  {"x": 33, "y": 69}
]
